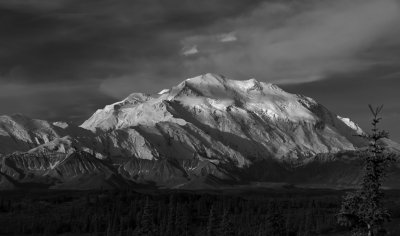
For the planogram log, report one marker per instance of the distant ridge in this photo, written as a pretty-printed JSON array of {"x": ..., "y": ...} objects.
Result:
[{"x": 206, "y": 128}]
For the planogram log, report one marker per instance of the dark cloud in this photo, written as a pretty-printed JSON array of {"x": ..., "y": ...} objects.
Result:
[
  {"x": 33, "y": 5},
  {"x": 80, "y": 39},
  {"x": 54, "y": 101},
  {"x": 292, "y": 43}
]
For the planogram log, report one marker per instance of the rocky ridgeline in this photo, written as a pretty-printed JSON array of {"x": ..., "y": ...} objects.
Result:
[{"x": 204, "y": 132}]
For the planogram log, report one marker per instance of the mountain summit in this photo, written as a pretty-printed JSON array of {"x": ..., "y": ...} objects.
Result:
[
  {"x": 260, "y": 119},
  {"x": 203, "y": 132}
]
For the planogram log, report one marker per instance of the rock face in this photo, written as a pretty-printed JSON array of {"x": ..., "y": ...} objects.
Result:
[
  {"x": 19, "y": 133},
  {"x": 208, "y": 129}
]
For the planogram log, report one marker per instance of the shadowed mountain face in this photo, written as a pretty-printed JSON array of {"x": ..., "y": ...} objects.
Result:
[{"x": 204, "y": 132}]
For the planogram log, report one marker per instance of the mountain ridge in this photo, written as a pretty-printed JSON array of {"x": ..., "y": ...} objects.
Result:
[{"x": 206, "y": 126}]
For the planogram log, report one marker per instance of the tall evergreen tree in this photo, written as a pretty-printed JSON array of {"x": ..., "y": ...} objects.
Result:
[{"x": 363, "y": 209}]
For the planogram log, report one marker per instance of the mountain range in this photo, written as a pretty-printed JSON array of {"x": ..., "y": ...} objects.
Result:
[{"x": 207, "y": 132}]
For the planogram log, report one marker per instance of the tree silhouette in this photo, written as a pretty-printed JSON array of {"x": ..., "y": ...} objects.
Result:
[
  {"x": 146, "y": 226},
  {"x": 363, "y": 209}
]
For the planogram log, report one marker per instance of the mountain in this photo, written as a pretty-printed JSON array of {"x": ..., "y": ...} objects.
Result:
[
  {"x": 206, "y": 131},
  {"x": 20, "y": 133},
  {"x": 259, "y": 118}
]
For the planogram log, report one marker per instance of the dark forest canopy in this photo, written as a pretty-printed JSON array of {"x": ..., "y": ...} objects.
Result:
[{"x": 126, "y": 212}]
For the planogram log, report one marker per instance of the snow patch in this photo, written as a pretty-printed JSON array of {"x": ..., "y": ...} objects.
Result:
[
  {"x": 351, "y": 124},
  {"x": 163, "y": 91},
  {"x": 61, "y": 124}
]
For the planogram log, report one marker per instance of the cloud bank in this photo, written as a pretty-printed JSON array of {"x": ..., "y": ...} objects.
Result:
[{"x": 292, "y": 43}]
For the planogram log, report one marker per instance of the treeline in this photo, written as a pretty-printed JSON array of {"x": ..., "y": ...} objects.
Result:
[{"x": 167, "y": 214}]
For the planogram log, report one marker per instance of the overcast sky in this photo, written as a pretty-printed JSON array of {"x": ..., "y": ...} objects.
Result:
[{"x": 63, "y": 59}]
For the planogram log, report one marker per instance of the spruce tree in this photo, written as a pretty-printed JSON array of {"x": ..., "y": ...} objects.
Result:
[{"x": 363, "y": 208}]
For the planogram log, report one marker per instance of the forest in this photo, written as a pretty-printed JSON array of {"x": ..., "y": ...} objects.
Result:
[{"x": 281, "y": 211}]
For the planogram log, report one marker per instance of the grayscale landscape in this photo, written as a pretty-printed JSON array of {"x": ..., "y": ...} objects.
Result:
[{"x": 185, "y": 117}]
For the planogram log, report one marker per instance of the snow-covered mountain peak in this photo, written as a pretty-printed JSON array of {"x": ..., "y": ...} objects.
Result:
[
  {"x": 18, "y": 132},
  {"x": 207, "y": 79},
  {"x": 140, "y": 97},
  {"x": 247, "y": 85},
  {"x": 206, "y": 92},
  {"x": 132, "y": 100},
  {"x": 219, "y": 87},
  {"x": 205, "y": 125}
]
